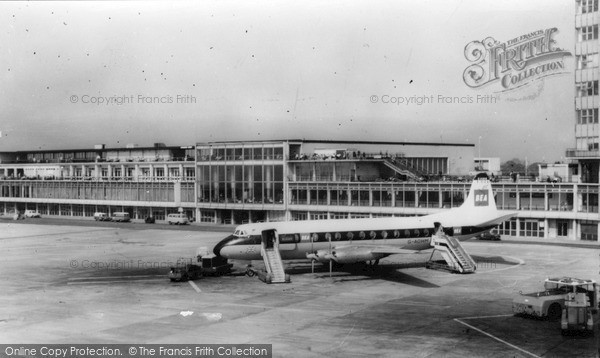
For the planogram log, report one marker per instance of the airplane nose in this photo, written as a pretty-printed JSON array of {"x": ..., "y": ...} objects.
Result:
[{"x": 223, "y": 243}]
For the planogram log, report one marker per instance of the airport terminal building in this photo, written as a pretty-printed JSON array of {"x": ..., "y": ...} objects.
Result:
[
  {"x": 219, "y": 182},
  {"x": 234, "y": 182},
  {"x": 144, "y": 181},
  {"x": 242, "y": 182}
]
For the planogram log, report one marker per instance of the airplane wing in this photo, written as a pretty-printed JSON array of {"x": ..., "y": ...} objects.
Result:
[
  {"x": 379, "y": 249},
  {"x": 357, "y": 253},
  {"x": 497, "y": 220},
  {"x": 392, "y": 250}
]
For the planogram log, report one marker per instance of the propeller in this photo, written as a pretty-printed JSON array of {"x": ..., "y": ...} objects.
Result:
[
  {"x": 321, "y": 256},
  {"x": 312, "y": 257}
]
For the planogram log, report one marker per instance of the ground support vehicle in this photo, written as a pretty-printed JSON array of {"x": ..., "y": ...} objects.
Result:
[
  {"x": 192, "y": 269},
  {"x": 185, "y": 270},
  {"x": 213, "y": 265},
  {"x": 577, "y": 316},
  {"x": 551, "y": 302}
]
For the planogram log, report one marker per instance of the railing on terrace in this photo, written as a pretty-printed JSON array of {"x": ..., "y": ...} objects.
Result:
[
  {"x": 429, "y": 205},
  {"x": 532, "y": 207},
  {"x": 568, "y": 207},
  {"x": 100, "y": 160},
  {"x": 239, "y": 201},
  {"x": 577, "y": 153},
  {"x": 348, "y": 155},
  {"x": 231, "y": 158},
  {"x": 75, "y": 178},
  {"x": 381, "y": 203}
]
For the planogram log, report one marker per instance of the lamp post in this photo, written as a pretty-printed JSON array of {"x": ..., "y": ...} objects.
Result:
[{"x": 480, "y": 168}]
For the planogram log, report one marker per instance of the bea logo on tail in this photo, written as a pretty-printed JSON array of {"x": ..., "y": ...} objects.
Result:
[{"x": 481, "y": 198}]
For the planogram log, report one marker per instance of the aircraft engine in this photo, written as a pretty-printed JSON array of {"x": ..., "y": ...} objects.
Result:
[
  {"x": 350, "y": 256},
  {"x": 320, "y": 256}
]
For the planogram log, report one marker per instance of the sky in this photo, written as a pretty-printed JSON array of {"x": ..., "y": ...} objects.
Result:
[{"x": 76, "y": 74}]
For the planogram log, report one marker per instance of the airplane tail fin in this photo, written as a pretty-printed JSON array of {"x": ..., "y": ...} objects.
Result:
[
  {"x": 480, "y": 206},
  {"x": 480, "y": 196}
]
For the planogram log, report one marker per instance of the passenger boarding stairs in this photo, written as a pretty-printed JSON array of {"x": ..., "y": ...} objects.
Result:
[
  {"x": 400, "y": 167},
  {"x": 457, "y": 259},
  {"x": 274, "y": 265}
]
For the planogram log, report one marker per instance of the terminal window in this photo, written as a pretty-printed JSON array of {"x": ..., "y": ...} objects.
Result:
[
  {"x": 589, "y": 230},
  {"x": 587, "y": 61},
  {"x": 587, "y": 6},
  {"x": 588, "y": 33},
  {"x": 299, "y": 216},
  {"x": 531, "y": 228},
  {"x": 589, "y": 88},
  {"x": 587, "y": 116}
]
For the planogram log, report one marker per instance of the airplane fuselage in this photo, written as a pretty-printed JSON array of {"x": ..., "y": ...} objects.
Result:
[
  {"x": 331, "y": 234},
  {"x": 359, "y": 240}
]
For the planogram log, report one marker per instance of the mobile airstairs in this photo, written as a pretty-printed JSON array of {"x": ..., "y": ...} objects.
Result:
[
  {"x": 274, "y": 266},
  {"x": 274, "y": 270},
  {"x": 455, "y": 257}
]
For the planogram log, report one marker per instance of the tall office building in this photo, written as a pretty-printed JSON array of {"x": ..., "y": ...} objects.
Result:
[{"x": 587, "y": 100}]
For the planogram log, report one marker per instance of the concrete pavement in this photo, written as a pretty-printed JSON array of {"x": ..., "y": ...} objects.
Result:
[{"x": 107, "y": 284}]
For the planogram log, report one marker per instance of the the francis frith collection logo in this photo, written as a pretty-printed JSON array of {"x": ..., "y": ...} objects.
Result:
[{"x": 514, "y": 63}]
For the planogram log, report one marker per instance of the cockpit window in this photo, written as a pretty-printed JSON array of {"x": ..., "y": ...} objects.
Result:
[{"x": 240, "y": 233}]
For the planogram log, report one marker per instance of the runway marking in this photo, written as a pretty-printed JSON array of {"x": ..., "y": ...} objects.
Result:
[
  {"x": 343, "y": 340},
  {"x": 424, "y": 304},
  {"x": 193, "y": 284},
  {"x": 492, "y": 336},
  {"x": 494, "y": 316}
]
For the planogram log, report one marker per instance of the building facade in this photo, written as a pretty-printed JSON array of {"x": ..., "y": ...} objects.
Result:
[
  {"x": 260, "y": 181},
  {"x": 587, "y": 97},
  {"x": 151, "y": 181},
  {"x": 240, "y": 182}
]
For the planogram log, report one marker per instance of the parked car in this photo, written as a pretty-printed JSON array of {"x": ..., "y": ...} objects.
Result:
[
  {"x": 488, "y": 235},
  {"x": 16, "y": 215},
  {"x": 101, "y": 216},
  {"x": 120, "y": 216},
  {"x": 32, "y": 214},
  {"x": 178, "y": 219}
]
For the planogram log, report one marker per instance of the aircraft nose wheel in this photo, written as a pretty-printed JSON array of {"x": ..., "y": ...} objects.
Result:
[{"x": 250, "y": 271}]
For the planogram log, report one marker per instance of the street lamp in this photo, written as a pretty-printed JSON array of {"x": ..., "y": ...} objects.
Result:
[{"x": 480, "y": 168}]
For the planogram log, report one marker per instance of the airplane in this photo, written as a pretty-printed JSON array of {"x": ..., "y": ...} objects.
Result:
[{"x": 347, "y": 241}]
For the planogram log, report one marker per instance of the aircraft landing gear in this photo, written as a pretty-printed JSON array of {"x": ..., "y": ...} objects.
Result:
[
  {"x": 370, "y": 265},
  {"x": 250, "y": 271}
]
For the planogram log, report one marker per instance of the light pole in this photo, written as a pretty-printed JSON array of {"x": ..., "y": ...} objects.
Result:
[{"x": 480, "y": 168}]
